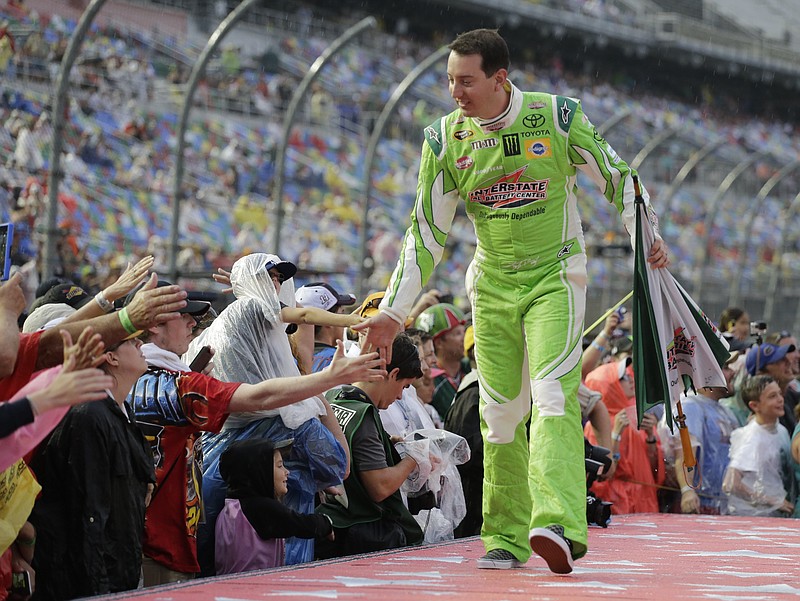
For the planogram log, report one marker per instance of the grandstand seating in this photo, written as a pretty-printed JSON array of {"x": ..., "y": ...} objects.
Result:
[{"x": 124, "y": 204}]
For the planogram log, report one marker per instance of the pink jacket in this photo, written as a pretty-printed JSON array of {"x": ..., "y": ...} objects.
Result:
[{"x": 25, "y": 439}]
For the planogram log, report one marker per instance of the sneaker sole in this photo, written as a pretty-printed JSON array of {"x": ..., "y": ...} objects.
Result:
[{"x": 553, "y": 549}]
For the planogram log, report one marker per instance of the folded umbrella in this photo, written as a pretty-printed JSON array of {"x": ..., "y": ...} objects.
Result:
[{"x": 676, "y": 348}]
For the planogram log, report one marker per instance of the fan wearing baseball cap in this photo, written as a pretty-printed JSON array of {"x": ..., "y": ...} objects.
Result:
[
  {"x": 446, "y": 324},
  {"x": 68, "y": 293},
  {"x": 174, "y": 405},
  {"x": 316, "y": 303},
  {"x": 776, "y": 361},
  {"x": 251, "y": 345},
  {"x": 325, "y": 297}
]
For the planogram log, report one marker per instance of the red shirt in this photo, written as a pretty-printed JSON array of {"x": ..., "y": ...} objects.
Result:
[
  {"x": 172, "y": 409},
  {"x": 25, "y": 366}
]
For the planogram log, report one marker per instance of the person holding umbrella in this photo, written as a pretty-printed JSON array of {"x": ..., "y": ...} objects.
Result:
[{"x": 513, "y": 157}]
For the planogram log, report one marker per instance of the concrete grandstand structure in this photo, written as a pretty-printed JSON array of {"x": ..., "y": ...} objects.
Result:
[{"x": 704, "y": 106}]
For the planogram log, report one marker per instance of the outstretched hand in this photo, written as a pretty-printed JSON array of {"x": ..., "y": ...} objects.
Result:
[
  {"x": 152, "y": 306},
  {"x": 12, "y": 298},
  {"x": 223, "y": 277},
  {"x": 78, "y": 381},
  {"x": 85, "y": 353},
  {"x": 363, "y": 368},
  {"x": 129, "y": 279},
  {"x": 381, "y": 331}
]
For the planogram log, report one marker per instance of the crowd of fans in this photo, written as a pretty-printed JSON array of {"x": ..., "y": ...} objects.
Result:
[
  {"x": 145, "y": 435},
  {"x": 121, "y": 501},
  {"x": 285, "y": 465},
  {"x": 744, "y": 437}
]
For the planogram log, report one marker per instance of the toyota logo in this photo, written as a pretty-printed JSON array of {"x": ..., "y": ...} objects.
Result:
[{"x": 533, "y": 121}]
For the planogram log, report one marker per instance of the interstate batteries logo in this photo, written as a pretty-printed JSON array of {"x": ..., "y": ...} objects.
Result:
[{"x": 508, "y": 192}]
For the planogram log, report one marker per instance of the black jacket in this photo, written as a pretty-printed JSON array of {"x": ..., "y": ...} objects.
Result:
[
  {"x": 248, "y": 468},
  {"x": 89, "y": 519},
  {"x": 464, "y": 418}
]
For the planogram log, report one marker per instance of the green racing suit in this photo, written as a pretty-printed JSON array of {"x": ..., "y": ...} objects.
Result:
[{"x": 517, "y": 174}]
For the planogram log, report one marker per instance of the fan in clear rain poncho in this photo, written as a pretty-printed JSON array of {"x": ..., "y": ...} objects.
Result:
[{"x": 251, "y": 345}]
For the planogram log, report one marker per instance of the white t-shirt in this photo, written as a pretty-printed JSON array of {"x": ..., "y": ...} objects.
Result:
[{"x": 760, "y": 454}]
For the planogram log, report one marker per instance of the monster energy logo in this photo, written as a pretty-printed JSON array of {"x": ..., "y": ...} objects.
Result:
[{"x": 511, "y": 145}]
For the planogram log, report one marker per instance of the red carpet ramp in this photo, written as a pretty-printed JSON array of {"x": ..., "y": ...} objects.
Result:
[{"x": 644, "y": 556}]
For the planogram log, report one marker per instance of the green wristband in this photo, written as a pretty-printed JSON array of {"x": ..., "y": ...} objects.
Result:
[{"x": 126, "y": 322}]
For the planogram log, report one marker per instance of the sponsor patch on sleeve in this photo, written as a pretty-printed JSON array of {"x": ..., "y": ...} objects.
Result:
[
  {"x": 565, "y": 109},
  {"x": 433, "y": 135}
]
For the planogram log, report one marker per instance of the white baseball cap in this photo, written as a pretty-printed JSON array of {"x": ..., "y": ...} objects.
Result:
[{"x": 323, "y": 296}]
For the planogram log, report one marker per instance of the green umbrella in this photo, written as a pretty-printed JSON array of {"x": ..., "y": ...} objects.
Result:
[{"x": 676, "y": 347}]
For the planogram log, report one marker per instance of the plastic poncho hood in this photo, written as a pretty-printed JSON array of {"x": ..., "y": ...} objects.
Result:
[{"x": 250, "y": 341}]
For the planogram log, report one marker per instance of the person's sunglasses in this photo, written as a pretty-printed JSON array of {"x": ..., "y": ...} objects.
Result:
[{"x": 373, "y": 303}]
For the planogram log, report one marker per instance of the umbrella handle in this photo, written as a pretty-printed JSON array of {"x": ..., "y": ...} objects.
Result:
[
  {"x": 689, "y": 460},
  {"x": 637, "y": 190}
]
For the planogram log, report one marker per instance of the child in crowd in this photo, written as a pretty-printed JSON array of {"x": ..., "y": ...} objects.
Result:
[
  {"x": 251, "y": 529},
  {"x": 755, "y": 481}
]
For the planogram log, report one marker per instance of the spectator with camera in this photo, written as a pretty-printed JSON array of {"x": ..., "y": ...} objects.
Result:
[
  {"x": 734, "y": 323},
  {"x": 636, "y": 454},
  {"x": 598, "y": 463}
]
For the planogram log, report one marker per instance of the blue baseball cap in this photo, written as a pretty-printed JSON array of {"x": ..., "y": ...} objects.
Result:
[
  {"x": 758, "y": 357},
  {"x": 285, "y": 268}
]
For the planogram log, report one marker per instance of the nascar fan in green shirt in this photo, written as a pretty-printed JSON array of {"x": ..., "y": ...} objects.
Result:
[{"x": 512, "y": 157}]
